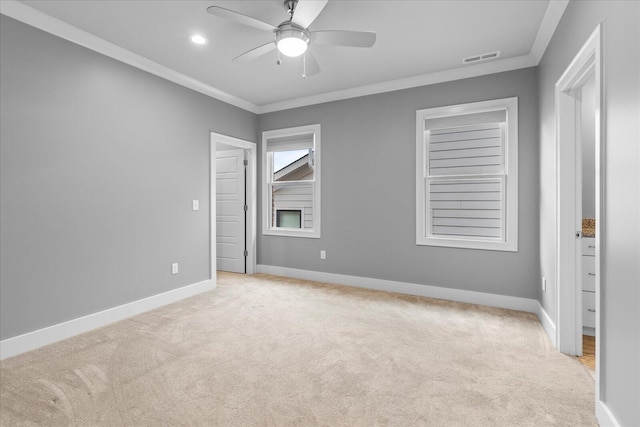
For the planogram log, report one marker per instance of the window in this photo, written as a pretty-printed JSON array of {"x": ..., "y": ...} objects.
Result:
[
  {"x": 289, "y": 218},
  {"x": 291, "y": 182},
  {"x": 467, "y": 175}
]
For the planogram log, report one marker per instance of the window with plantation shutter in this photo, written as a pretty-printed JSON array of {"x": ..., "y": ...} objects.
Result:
[{"x": 466, "y": 175}]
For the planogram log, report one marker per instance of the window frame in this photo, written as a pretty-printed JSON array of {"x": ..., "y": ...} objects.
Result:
[
  {"x": 267, "y": 183},
  {"x": 509, "y": 240}
]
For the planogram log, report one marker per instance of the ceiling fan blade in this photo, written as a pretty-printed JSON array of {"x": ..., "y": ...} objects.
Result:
[
  {"x": 344, "y": 38},
  {"x": 240, "y": 18},
  {"x": 307, "y": 11},
  {"x": 311, "y": 64},
  {"x": 255, "y": 52}
]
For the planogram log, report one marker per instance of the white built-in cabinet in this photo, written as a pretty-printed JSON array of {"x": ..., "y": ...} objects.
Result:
[{"x": 588, "y": 285}]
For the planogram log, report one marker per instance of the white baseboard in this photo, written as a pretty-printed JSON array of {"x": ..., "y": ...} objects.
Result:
[
  {"x": 604, "y": 415},
  {"x": 471, "y": 297},
  {"x": 41, "y": 337},
  {"x": 548, "y": 324}
]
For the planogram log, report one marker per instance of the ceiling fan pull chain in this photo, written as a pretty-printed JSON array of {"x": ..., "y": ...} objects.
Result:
[
  {"x": 304, "y": 66},
  {"x": 278, "y": 61}
]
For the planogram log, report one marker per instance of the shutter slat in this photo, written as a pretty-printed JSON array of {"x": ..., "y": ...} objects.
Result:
[
  {"x": 491, "y": 124},
  {"x": 471, "y": 161},
  {"x": 467, "y": 222},
  {"x": 466, "y": 213},
  {"x": 486, "y": 195},
  {"x": 466, "y": 153},
  {"x": 461, "y": 145},
  {"x": 467, "y": 231},
  {"x": 464, "y": 136},
  {"x": 293, "y": 197},
  {"x": 463, "y": 187},
  {"x": 448, "y": 204},
  {"x": 467, "y": 170}
]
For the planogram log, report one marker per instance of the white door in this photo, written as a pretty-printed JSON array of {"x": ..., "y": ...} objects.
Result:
[{"x": 230, "y": 211}]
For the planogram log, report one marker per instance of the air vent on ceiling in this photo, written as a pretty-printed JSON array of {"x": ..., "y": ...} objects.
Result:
[{"x": 483, "y": 57}]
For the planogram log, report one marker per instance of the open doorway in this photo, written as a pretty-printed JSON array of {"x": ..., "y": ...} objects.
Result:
[
  {"x": 580, "y": 201},
  {"x": 233, "y": 204},
  {"x": 586, "y": 191}
]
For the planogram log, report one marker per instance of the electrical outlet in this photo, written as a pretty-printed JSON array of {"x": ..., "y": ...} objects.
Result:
[
  {"x": 544, "y": 284},
  {"x": 323, "y": 254},
  {"x": 196, "y": 205},
  {"x": 174, "y": 268}
]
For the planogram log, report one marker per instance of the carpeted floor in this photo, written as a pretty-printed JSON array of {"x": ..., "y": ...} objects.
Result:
[{"x": 262, "y": 350}]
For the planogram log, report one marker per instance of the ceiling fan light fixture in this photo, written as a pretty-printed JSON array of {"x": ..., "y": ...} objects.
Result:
[{"x": 292, "y": 41}]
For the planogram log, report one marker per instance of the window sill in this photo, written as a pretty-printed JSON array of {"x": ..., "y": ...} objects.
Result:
[
  {"x": 467, "y": 244},
  {"x": 311, "y": 234}
]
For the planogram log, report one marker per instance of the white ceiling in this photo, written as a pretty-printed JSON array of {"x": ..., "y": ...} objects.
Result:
[{"x": 418, "y": 42}]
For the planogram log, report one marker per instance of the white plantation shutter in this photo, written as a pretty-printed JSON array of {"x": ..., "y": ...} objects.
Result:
[
  {"x": 466, "y": 190},
  {"x": 471, "y": 207},
  {"x": 290, "y": 143},
  {"x": 466, "y": 150},
  {"x": 466, "y": 207}
]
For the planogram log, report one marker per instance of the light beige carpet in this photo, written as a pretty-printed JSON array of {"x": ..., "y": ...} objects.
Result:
[{"x": 262, "y": 350}]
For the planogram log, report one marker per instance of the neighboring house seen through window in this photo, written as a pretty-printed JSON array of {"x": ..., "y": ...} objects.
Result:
[
  {"x": 467, "y": 175},
  {"x": 291, "y": 181}
]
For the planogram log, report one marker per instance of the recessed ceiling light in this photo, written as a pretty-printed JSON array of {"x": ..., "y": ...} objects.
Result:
[{"x": 198, "y": 39}]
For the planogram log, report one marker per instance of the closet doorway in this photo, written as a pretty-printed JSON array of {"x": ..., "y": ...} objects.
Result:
[{"x": 233, "y": 204}]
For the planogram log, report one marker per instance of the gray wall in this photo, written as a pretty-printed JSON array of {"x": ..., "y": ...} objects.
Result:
[
  {"x": 368, "y": 191},
  {"x": 620, "y": 239},
  {"x": 99, "y": 164}
]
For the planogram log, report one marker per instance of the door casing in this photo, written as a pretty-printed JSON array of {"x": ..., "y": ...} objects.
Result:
[
  {"x": 251, "y": 190},
  {"x": 587, "y": 63}
]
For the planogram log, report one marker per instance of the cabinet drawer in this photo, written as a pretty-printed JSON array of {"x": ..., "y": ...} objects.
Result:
[
  {"x": 588, "y": 273},
  {"x": 589, "y": 309},
  {"x": 589, "y": 246}
]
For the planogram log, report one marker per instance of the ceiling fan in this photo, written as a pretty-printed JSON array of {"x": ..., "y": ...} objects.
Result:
[{"x": 293, "y": 37}]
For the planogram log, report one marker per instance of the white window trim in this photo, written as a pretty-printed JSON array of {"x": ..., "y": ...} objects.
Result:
[
  {"x": 267, "y": 229},
  {"x": 510, "y": 243}
]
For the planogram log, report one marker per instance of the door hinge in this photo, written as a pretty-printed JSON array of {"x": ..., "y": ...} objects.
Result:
[
  {"x": 246, "y": 208},
  {"x": 246, "y": 253},
  {"x": 246, "y": 162}
]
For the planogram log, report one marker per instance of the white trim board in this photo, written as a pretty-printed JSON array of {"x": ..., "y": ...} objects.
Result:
[
  {"x": 49, "y": 335},
  {"x": 604, "y": 415},
  {"x": 547, "y": 324},
  {"x": 471, "y": 297},
  {"x": 44, "y": 22}
]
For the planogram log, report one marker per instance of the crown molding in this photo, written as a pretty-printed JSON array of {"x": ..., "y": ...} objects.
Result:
[
  {"x": 550, "y": 21},
  {"x": 44, "y": 22},
  {"x": 49, "y": 24},
  {"x": 475, "y": 70}
]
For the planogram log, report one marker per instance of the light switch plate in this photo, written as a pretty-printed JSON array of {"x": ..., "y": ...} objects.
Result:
[
  {"x": 196, "y": 205},
  {"x": 174, "y": 268}
]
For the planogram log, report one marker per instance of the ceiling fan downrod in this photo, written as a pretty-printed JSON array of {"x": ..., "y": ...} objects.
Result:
[{"x": 290, "y": 7}]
